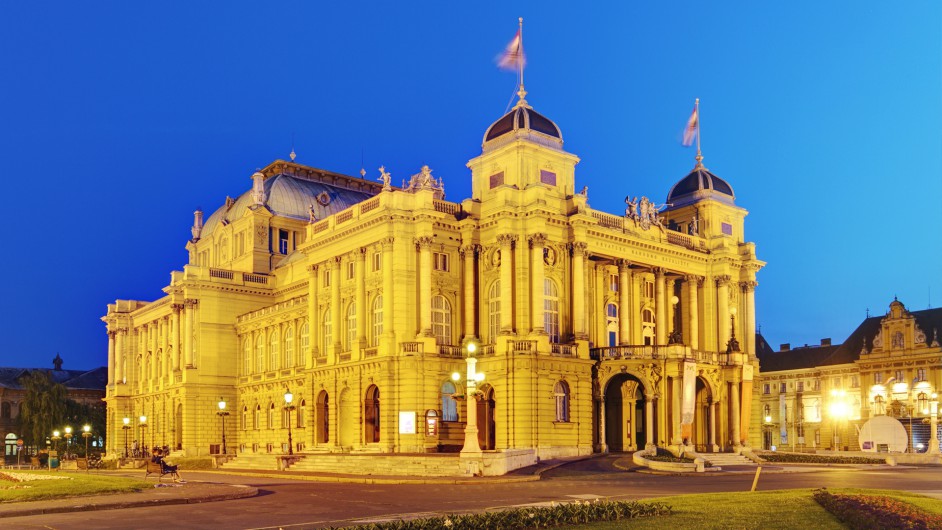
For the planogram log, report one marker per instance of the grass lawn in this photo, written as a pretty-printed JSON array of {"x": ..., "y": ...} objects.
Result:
[
  {"x": 782, "y": 509},
  {"x": 78, "y": 484}
]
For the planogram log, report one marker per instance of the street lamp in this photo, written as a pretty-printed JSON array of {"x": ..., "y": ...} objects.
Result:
[
  {"x": 289, "y": 408},
  {"x": 68, "y": 440},
  {"x": 733, "y": 344},
  {"x": 143, "y": 424},
  {"x": 768, "y": 428},
  {"x": 838, "y": 412},
  {"x": 222, "y": 413},
  {"x": 86, "y": 433},
  {"x": 126, "y": 427},
  {"x": 676, "y": 336},
  {"x": 934, "y": 425},
  {"x": 56, "y": 436},
  {"x": 471, "y": 444}
]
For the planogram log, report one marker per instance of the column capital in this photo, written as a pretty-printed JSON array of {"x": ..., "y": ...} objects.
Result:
[
  {"x": 623, "y": 265},
  {"x": 749, "y": 286},
  {"x": 506, "y": 240},
  {"x": 471, "y": 249},
  {"x": 312, "y": 269},
  {"x": 659, "y": 272},
  {"x": 190, "y": 302},
  {"x": 536, "y": 240},
  {"x": 578, "y": 248},
  {"x": 387, "y": 242},
  {"x": 334, "y": 262},
  {"x": 694, "y": 278},
  {"x": 722, "y": 280},
  {"x": 423, "y": 242},
  {"x": 360, "y": 253},
  {"x": 177, "y": 307}
]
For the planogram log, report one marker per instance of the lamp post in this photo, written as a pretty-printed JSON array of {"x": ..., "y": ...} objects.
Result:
[
  {"x": 86, "y": 433},
  {"x": 676, "y": 336},
  {"x": 471, "y": 445},
  {"x": 768, "y": 430},
  {"x": 289, "y": 407},
  {"x": 733, "y": 345},
  {"x": 934, "y": 425},
  {"x": 56, "y": 436},
  {"x": 143, "y": 424},
  {"x": 126, "y": 427},
  {"x": 838, "y": 413},
  {"x": 222, "y": 413},
  {"x": 68, "y": 440}
]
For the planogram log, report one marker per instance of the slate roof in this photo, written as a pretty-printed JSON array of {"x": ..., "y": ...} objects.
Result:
[{"x": 95, "y": 379}]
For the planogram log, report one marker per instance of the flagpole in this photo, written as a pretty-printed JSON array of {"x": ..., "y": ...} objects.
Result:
[
  {"x": 696, "y": 104},
  {"x": 520, "y": 61}
]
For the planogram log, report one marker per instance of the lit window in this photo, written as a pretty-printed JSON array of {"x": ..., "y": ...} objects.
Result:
[
  {"x": 551, "y": 310},
  {"x": 879, "y": 405},
  {"x": 441, "y": 319},
  {"x": 561, "y": 392}
]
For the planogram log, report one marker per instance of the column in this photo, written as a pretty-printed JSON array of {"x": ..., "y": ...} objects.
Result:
[
  {"x": 111, "y": 365},
  {"x": 188, "y": 332},
  {"x": 693, "y": 311},
  {"x": 312, "y": 324},
  {"x": 175, "y": 335},
  {"x": 676, "y": 396},
  {"x": 734, "y": 421},
  {"x": 635, "y": 323},
  {"x": 711, "y": 435},
  {"x": 578, "y": 289},
  {"x": 660, "y": 306},
  {"x": 624, "y": 303},
  {"x": 424, "y": 245},
  {"x": 336, "y": 322},
  {"x": 722, "y": 312},
  {"x": 671, "y": 308},
  {"x": 506, "y": 242},
  {"x": 361, "y": 296},
  {"x": 388, "y": 286},
  {"x": 537, "y": 242},
  {"x": 648, "y": 420},
  {"x": 468, "y": 254},
  {"x": 749, "y": 288}
]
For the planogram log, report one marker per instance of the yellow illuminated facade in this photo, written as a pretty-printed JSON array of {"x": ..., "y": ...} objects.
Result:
[
  {"x": 823, "y": 396},
  {"x": 594, "y": 331}
]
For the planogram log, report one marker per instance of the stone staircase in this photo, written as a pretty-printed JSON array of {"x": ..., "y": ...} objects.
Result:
[
  {"x": 431, "y": 464},
  {"x": 258, "y": 461},
  {"x": 722, "y": 460}
]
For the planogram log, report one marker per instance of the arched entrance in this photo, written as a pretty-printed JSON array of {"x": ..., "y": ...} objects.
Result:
[
  {"x": 624, "y": 413},
  {"x": 485, "y": 419},
  {"x": 703, "y": 418},
  {"x": 371, "y": 415},
  {"x": 322, "y": 421}
]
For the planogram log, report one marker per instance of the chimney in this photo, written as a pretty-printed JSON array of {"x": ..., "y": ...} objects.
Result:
[
  {"x": 826, "y": 342},
  {"x": 784, "y": 347},
  {"x": 258, "y": 189},
  {"x": 197, "y": 228}
]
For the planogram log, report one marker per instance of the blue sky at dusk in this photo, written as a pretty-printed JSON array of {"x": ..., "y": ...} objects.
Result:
[{"x": 118, "y": 119}]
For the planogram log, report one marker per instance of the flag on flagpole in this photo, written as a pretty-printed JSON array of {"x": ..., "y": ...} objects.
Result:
[
  {"x": 512, "y": 57},
  {"x": 692, "y": 129}
]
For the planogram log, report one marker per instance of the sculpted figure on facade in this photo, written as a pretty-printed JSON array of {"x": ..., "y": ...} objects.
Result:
[{"x": 385, "y": 177}]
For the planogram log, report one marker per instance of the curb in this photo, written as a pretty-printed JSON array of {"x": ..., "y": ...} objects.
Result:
[{"x": 241, "y": 492}]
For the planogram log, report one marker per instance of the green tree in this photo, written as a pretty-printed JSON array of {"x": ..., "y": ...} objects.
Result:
[{"x": 43, "y": 408}]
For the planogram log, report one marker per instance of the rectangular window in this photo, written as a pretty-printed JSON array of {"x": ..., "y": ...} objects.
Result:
[
  {"x": 441, "y": 261},
  {"x": 613, "y": 282},
  {"x": 377, "y": 261},
  {"x": 727, "y": 228},
  {"x": 921, "y": 374},
  {"x": 766, "y": 389},
  {"x": 497, "y": 179},
  {"x": 649, "y": 289},
  {"x": 854, "y": 381},
  {"x": 351, "y": 270},
  {"x": 782, "y": 388},
  {"x": 327, "y": 278},
  {"x": 899, "y": 377},
  {"x": 817, "y": 385},
  {"x": 547, "y": 177},
  {"x": 877, "y": 377},
  {"x": 801, "y": 386},
  {"x": 283, "y": 241}
]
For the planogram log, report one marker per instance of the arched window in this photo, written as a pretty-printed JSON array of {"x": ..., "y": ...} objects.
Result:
[
  {"x": 260, "y": 353},
  {"x": 245, "y": 417},
  {"x": 271, "y": 415},
  {"x": 302, "y": 414},
  {"x": 377, "y": 320},
  {"x": 441, "y": 320},
  {"x": 551, "y": 309},
  {"x": 257, "y": 421},
  {"x": 922, "y": 403},
  {"x": 328, "y": 330},
  {"x": 351, "y": 335},
  {"x": 246, "y": 357},
  {"x": 879, "y": 405},
  {"x": 561, "y": 391},
  {"x": 322, "y": 428},
  {"x": 449, "y": 405},
  {"x": 289, "y": 346},
  {"x": 305, "y": 341},
  {"x": 493, "y": 311},
  {"x": 274, "y": 347}
]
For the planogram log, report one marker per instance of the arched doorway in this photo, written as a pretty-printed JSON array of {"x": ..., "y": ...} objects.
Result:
[
  {"x": 9, "y": 449},
  {"x": 703, "y": 418},
  {"x": 449, "y": 405},
  {"x": 624, "y": 413},
  {"x": 348, "y": 419},
  {"x": 371, "y": 415},
  {"x": 322, "y": 421},
  {"x": 485, "y": 419}
]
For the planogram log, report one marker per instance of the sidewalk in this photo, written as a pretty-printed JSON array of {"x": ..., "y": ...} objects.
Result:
[{"x": 166, "y": 493}]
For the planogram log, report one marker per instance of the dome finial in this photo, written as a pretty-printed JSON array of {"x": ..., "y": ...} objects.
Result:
[{"x": 696, "y": 111}]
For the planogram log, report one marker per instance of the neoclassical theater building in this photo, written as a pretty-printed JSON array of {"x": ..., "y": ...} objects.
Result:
[{"x": 594, "y": 331}]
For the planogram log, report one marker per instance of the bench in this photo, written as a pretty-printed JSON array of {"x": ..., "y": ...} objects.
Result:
[
  {"x": 154, "y": 468},
  {"x": 81, "y": 464}
]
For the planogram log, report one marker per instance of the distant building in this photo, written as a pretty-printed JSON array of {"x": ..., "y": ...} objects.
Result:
[
  {"x": 820, "y": 396},
  {"x": 86, "y": 387},
  {"x": 595, "y": 331}
]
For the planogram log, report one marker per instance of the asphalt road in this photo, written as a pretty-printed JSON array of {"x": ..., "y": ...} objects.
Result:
[{"x": 284, "y": 503}]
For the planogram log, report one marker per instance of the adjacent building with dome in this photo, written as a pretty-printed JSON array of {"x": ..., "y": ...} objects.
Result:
[{"x": 594, "y": 331}]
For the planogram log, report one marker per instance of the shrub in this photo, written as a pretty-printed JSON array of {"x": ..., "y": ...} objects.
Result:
[
  {"x": 802, "y": 458},
  {"x": 579, "y": 512},
  {"x": 194, "y": 462},
  {"x": 872, "y": 512}
]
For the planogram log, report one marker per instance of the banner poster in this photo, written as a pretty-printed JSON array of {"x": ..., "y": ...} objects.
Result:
[
  {"x": 745, "y": 415},
  {"x": 689, "y": 393},
  {"x": 783, "y": 425}
]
